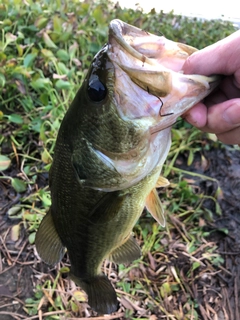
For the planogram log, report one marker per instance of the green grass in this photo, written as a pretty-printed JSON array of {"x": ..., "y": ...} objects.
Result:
[{"x": 46, "y": 48}]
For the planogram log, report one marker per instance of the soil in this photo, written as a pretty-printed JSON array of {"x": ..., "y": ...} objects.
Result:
[{"x": 218, "y": 295}]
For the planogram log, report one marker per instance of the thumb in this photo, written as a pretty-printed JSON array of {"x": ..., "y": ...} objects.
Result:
[{"x": 223, "y": 117}]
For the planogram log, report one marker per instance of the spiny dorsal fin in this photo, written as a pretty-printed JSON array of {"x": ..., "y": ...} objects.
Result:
[
  {"x": 101, "y": 295},
  {"x": 154, "y": 206},
  {"x": 48, "y": 243},
  {"x": 162, "y": 182},
  {"x": 127, "y": 252}
]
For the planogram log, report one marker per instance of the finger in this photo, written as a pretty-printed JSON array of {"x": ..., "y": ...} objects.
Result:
[
  {"x": 197, "y": 116},
  {"x": 223, "y": 117},
  {"x": 229, "y": 87},
  {"x": 230, "y": 137},
  {"x": 219, "y": 58}
]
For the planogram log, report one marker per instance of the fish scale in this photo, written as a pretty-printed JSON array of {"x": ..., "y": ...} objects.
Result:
[{"x": 109, "y": 152}]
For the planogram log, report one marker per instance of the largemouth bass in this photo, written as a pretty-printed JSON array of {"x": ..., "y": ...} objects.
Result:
[{"x": 109, "y": 152}]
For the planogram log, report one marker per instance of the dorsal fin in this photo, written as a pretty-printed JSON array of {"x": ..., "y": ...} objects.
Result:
[{"x": 154, "y": 206}]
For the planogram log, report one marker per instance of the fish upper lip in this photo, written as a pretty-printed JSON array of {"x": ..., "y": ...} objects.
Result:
[{"x": 117, "y": 29}]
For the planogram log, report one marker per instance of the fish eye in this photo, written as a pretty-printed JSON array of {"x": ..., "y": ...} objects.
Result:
[{"x": 97, "y": 91}]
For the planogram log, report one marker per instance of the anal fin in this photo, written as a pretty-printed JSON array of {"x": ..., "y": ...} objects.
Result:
[
  {"x": 127, "y": 252},
  {"x": 48, "y": 243},
  {"x": 154, "y": 206},
  {"x": 162, "y": 182}
]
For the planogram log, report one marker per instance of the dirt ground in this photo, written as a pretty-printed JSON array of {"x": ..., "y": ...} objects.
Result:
[
  {"x": 224, "y": 165},
  {"x": 19, "y": 267}
]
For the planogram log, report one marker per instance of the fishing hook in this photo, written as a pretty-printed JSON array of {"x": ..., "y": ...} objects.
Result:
[{"x": 161, "y": 115}]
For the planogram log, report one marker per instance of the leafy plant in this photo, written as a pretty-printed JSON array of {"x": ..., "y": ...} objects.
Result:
[{"x": 46, "y": 48}]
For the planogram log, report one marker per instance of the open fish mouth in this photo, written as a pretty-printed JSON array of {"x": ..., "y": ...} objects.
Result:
[{"x": 154, "y": 64}]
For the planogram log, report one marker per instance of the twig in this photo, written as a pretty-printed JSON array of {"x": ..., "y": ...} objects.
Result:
[
  {"x": 115, "y": 316},
  {"x": 236, "y": 286},
  {"x": 8, "y": 304},
  {"x": 14, "y": 315},
  {"x": 194, "y": 174}
]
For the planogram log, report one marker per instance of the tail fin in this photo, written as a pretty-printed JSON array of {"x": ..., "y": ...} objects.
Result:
[{"x": 101, "y": 295}]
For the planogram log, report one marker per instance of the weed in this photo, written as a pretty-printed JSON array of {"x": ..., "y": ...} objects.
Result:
[{"x": 45, "y": 50}]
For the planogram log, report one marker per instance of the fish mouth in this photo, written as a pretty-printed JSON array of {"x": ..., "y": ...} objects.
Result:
[
  {"x": 154, "y": 64},
  {"x": 146, "y": 47}
]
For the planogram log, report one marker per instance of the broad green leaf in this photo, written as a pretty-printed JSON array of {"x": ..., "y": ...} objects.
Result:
[
  {"x": 58, "y": 302},
  {"x": 224, "y": 230},
  {"x": 15, "y": 212},
  {"x": 165, "y": 289},
  {"x": 44, "y": 98},
  {"x": 40, "y": 83},
  {"x": 63, "y": 55},
  {"x": 46, "y": 157},
  {"x": 19, "y": 185},
  {"x": 29, "y": 216},
  {"x": 48, "y": 41},
  {"x": 65, "y": 36},
  {"x": 74, "y": 306},
  {"x": 41, "y": 22},
  {"x": 15, "y": 118},
  {"x": 47, "y": 53},
  {"x": 61, "y": 84},
  {"x": 32, "y": 237},
  {"x": 28, "y": 60},
  {"x": 29, "y": 301},
  {"x": 21, "y": 70},
  {"x": 42, "y": 135},
  {"x": 46, "y": 199},
  {"x": 2, "y": 80},
  {"x": 19, "y": 49},
  {"x": 98, "y": 15},
  {"x": 218, "y": 208},
  {"x": 195, "y": 265},
  {"x": 2, "y": 55},
  {"x": 62, "y": 68},
  {"x": 66, "y": 270},
  {"x": 7, "y": 22},
  {"x": 57, "y": 24},
  {"x": 4, "y": 162}
]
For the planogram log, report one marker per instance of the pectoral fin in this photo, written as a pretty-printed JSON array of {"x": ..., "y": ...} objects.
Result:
[
  {"x": 48, "y": 243},
  {"x": 162, "y": 182},
  {"x": 127, "y": 252},
  {"x": 94, "y": 169},
  {"x": 107, "y": 207},
  {"x": 154, "y": 206}
]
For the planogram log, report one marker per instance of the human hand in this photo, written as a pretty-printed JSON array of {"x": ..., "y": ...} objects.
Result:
[{"x": 219, "y": 113}]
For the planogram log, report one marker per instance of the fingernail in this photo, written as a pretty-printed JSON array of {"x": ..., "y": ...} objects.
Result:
[{"x": 232, "y": 114}]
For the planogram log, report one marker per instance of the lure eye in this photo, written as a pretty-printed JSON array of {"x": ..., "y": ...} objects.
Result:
[{"x": 96, "y": 90}]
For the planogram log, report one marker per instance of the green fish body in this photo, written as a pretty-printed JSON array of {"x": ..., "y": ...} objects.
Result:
[{"x": 109, "y": 152}]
